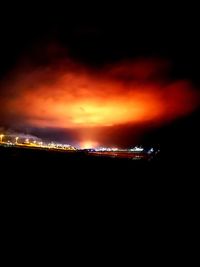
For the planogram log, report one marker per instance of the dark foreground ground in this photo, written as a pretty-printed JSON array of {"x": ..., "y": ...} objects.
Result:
[
  {"x": 25, "y": 159},
  {"x": 77, "y": 191},
  {"x": 60, "y": 174},
  {"x": 34, "y": 163},
  {"x": 31, "y": 154}
]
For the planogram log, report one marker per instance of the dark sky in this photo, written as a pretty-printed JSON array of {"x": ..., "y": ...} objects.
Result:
[{"x": 98, "y": 38}]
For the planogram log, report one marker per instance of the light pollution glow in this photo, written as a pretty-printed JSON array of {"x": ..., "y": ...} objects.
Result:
[{"x": 73, "y": 96}]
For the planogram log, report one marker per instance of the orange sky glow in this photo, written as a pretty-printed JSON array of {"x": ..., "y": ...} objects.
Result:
[{"x": 72, "y": 96}]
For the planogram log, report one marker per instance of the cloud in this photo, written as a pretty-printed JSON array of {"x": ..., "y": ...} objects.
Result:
[{"x": 66, "y": 94}]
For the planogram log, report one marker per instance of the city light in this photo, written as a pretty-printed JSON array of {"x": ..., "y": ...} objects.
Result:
[{"x": 89, "y": 147}]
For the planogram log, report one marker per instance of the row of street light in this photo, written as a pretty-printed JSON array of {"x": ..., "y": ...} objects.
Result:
[
  {"x": 34, "y": 143},
  {"x": 2, "y": 136}
]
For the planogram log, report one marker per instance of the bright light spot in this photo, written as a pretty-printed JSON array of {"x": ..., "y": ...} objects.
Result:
[
  {"x": 88, "y": 144},
  {"x": 1, "y": 137}
]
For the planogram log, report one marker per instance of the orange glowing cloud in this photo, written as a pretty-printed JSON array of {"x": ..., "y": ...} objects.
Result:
[{"x": 72, "y": 96}]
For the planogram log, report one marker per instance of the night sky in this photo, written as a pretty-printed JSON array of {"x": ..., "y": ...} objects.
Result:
[{"x": 116, "y": 77}]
